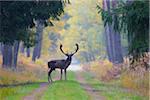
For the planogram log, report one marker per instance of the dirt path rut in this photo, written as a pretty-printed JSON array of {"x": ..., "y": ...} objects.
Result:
[
  {"x": 37, "y": 92},
  {"x": 95, "y": 95}
]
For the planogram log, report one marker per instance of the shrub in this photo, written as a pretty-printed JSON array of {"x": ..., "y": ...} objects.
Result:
[
  {"x": 136, "y": 80},
  {"x": 27, "y": 71},
  {"x": 100, "y": 68}
]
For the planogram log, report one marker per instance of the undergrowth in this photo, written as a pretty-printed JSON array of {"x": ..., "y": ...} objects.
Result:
[
  {"x": 26, "y": 72},
  {"x": 16, "y": 93},
  {"x": 135, "y": 80}
]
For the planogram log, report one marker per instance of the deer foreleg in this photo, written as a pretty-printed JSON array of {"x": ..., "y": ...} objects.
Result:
[{"x": 65, "y": 74}]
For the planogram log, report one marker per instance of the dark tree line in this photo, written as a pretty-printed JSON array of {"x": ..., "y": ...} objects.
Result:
[{"x": 17, "y": 19}]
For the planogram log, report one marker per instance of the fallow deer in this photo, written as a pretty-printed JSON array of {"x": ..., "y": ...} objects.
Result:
[{"x": 61, "y": 64}]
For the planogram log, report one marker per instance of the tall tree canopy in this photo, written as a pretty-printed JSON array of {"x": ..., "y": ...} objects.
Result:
[
  {"x": 16, "y": 19},
  {"x": 18, "y": 16}
]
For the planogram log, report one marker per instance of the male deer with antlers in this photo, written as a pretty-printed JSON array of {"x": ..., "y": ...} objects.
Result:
[{"x": 61, "y": 64}]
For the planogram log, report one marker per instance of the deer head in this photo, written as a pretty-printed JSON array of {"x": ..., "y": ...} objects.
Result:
[{"x": 69, "y": 56}]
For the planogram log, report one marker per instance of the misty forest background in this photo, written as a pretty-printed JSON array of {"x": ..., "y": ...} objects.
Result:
[{"x": 113, "y": 38}]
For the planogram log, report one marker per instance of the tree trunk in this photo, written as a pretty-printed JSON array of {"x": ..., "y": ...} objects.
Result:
[
  {"x": 34, "y": 52},
  {"x": 28, "y": 52},
  {"x": 118, "y": 48},
  {"x": 113, "y": 39},
  {"x": 22, "y": 48},
  {"x": 7, "y": 56},
  {"x": 15, "y": 54},
  {"x": 107, "y": 34},
  {"x": 4, "y": 62},
  {"x": 37, "y": 48},
  {"x": 10, "y": 55},
  {"x": 118, "y": 57},
  {"x": 0, "y": 48},
  {"x": 39, "y": 45}
]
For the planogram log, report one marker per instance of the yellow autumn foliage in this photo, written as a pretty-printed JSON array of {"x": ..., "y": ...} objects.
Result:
[
  {"x": 135, "y": 80},
  {"x": 10, "y": 77},
  {"x": 27, "y": 71},
  {"x": 100, "y": 68}
]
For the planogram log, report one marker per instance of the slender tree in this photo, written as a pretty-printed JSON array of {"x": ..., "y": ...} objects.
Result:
[
  {"x": 54, "y": 9},
  {"x": 112, "y": 38}
]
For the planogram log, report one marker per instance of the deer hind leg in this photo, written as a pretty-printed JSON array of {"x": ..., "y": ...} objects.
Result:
[
  {"x": 49, "y": 75},
  {"x": 61, "y": 74}
]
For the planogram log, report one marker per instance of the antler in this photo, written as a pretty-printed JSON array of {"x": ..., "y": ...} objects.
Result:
[
  {"x": 62, "y": 50},
  {"x": 76, "y": 49}
]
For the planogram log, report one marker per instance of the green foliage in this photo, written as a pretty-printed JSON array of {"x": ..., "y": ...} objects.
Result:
[
  {"x": 46, "y": 9},
  {"x": 17, "y": 17},
  {"x": 132, "y": 18},
  {"x": 13, "y": 19},
  {"x": 29, "y": 39}
]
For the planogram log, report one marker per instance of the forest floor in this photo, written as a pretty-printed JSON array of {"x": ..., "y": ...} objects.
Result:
[{"x": 80, "y": 85}]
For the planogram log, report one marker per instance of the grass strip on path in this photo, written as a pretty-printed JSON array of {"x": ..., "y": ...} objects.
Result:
[{"x": 65, "y": 90}]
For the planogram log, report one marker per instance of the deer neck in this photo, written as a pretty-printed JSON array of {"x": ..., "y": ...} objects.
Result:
[
  {"x": 68, "y": 62},
  {"x": 68, "y": 59}
]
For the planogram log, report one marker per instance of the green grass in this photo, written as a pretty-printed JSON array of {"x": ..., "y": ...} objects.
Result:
[
  {"x": 65, "y": 90},
  {"x": 112, "y": 91},
  {"x": 17, "y": 92},
  {"x": 71, "y": 75}
]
